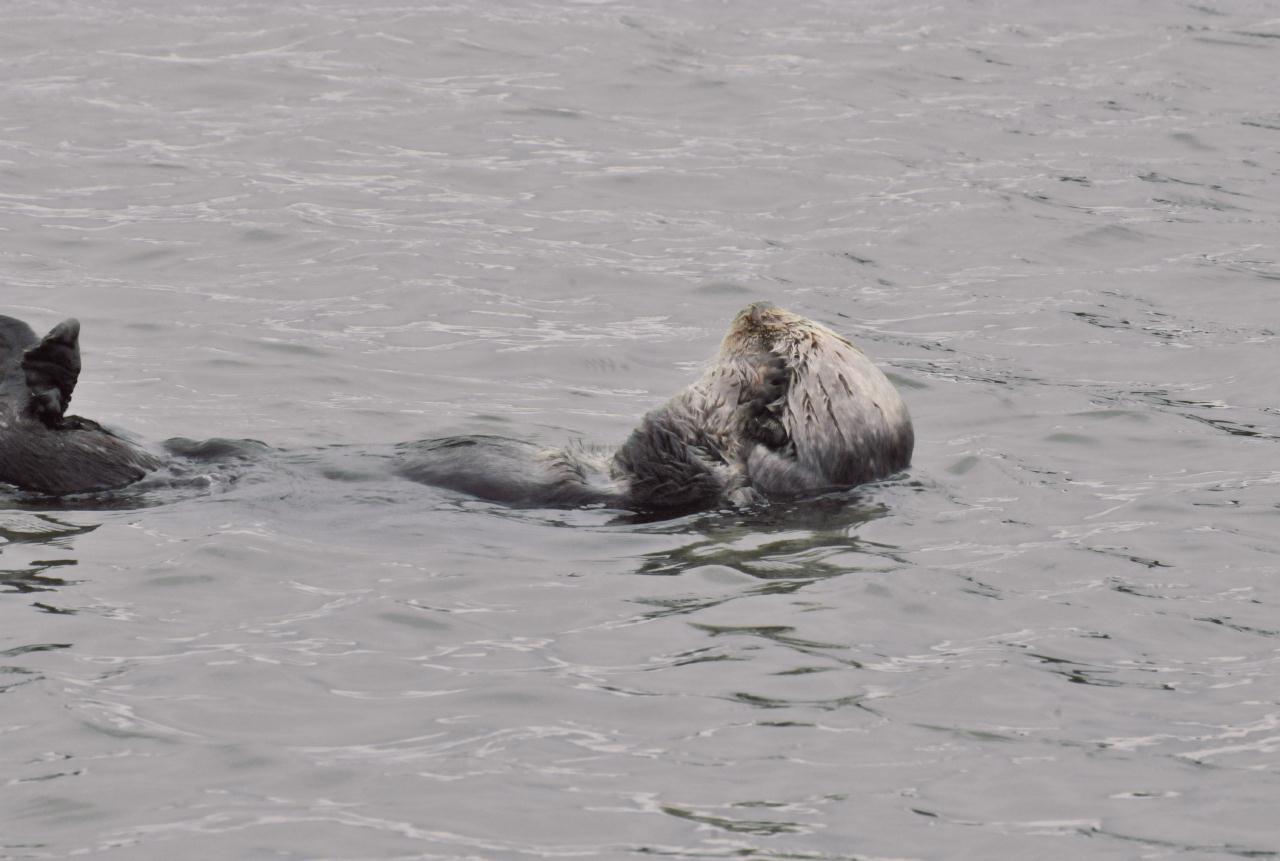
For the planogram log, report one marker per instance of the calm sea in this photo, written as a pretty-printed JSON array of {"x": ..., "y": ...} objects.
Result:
[{"x": 333, "y": 226}]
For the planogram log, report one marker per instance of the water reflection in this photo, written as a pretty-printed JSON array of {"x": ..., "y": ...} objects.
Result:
[
  {"x": 35, "y": 578},
  {"x": 804, "y": 540},
  {"x": 18, "y": 528},
  {"x": 37, "y": 575},
  {"x": 12, "y": 676}
]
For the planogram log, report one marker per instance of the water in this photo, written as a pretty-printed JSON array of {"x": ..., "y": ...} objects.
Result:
[{"x": 334, "y": 227}]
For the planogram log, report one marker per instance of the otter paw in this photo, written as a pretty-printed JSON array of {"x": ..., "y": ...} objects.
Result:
[
  {"x": 775, "y": 379},
  {"x": 763, "y": 409},
  {"x": 766, "y": 430}
]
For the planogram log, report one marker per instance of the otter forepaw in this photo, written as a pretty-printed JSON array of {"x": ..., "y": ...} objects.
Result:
[
  {"x": 766, "y": 401},
  {"x": 775, "y": 380},
  {"x": 766, "y": 429}
]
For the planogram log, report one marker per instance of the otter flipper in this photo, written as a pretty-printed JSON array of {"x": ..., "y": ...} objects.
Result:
[
  {"x": 42, "y": 449},
  {"x": 52, "y": 368}
]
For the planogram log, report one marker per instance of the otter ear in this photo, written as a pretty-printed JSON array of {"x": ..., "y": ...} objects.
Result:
[{"x": 52, "y": 368}]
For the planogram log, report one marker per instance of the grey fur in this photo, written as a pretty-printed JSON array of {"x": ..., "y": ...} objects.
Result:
[{"x": 789, "y": 408}]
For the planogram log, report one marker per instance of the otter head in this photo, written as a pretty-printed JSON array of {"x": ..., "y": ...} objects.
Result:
[
  {"x": 763, "y": 327},
  {"x": 837, "y": 420}
]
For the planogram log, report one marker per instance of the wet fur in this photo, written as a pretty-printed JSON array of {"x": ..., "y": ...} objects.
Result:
[
  {"x": 789, "y": 408},
  {"x": 41, "y": 448}
]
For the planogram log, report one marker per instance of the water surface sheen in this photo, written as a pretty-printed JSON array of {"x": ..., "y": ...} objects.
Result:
[{"x": 334, "y": 226}]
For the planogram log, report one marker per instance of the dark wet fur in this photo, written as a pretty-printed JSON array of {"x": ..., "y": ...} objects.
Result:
[{"x": 41, "y": 448}]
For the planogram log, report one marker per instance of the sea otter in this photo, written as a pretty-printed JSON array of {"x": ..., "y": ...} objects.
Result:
[
  {"x": 41, "y": 448},
  {"x": 788, "y": 409}
]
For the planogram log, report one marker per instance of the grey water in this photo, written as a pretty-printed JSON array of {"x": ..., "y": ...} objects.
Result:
[{"x": 333, "y": 226}]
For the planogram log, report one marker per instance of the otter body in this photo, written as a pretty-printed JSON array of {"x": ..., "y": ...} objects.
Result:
[
  {"x": 789, "y": 408},
  {"x": 41, "y": 448}
]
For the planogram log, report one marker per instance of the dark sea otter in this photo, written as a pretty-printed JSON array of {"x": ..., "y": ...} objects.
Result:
[
  {"x": 788, "y": 409},
  {"x": 43, "y": 449}
]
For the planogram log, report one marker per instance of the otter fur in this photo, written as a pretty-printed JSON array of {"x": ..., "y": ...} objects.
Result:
[
  {"x": 41, "y": 448},
  {"x": 787, "y": 409}
]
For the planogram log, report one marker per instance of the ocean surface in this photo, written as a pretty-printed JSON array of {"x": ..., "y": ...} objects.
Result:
[{"x": 333, "y": 226}]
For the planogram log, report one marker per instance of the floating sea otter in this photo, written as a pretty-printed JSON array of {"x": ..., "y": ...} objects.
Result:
[
  {"x": 41, "y": 448},
  {"x": 788, "y": 409}
]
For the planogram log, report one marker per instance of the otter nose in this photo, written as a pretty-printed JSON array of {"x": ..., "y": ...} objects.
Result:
[{"x": 756, "y": 309}]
